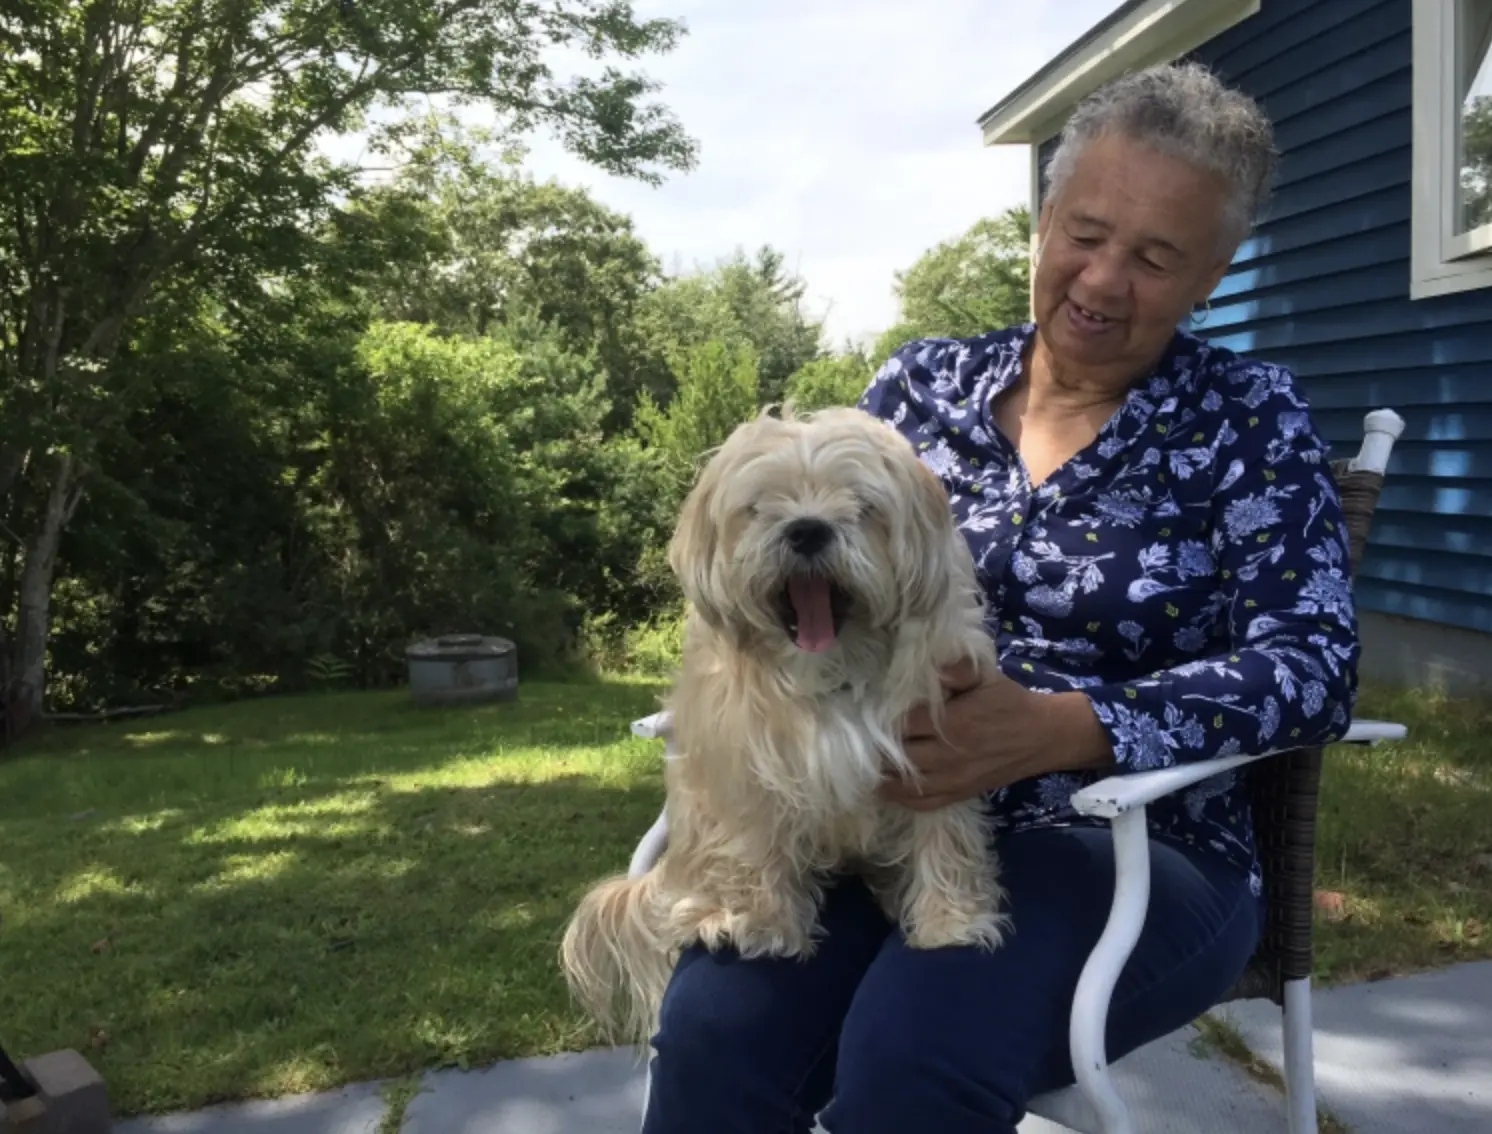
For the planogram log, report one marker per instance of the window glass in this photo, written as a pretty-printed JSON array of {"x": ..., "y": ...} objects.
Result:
[{"x": 1473, "y": 150}]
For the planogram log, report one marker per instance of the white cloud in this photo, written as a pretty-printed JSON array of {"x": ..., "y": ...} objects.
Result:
[{"x": 841, "y": 132}]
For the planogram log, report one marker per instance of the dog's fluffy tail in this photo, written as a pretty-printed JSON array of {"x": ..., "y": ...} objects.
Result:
[{"x": 615, "y": 960}]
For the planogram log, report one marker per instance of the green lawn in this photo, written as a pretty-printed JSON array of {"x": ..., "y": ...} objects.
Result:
[
  {"x": 1405, "y": 837},
  {"x": 295, "y": 893},
  {"x": 290, "y": 894}
]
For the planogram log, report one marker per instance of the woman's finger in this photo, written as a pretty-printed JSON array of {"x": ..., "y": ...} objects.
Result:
[
  {"x": 917, "y": 724},
  {"x": 930, "y": 802},
  {"x": 959, "y": 677}
]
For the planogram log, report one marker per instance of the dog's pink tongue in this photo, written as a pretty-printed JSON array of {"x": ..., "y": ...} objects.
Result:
[{"x": 809, "y": 595}]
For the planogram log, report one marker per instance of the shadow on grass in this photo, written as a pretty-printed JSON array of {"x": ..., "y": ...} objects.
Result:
[{"x": 310, "y": 936}]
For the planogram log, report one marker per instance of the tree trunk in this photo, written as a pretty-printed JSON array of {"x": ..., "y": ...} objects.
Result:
[
  {"x": 33, "y": 612},
  {"x": 9, "y": 718},
  {"x": 12, "y": 461}
]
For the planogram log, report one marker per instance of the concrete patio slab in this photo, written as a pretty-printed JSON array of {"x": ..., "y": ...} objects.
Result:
[
  {"x": 592, "y": 1092},
  {"x": 1401, "y": 1056},
  {"x": 1397, "y": 1057},
  {"x": 358, "y": 1109},
  {"x": 1174, "y": 1086}
]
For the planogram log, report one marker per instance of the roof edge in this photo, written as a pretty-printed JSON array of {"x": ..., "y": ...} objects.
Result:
[{"x": 1139, "y": 33}]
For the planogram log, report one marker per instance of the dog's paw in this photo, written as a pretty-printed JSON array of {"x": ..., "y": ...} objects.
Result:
[
  {"x": 751, "y": 937},
  {"x": 948, "y": 928}
]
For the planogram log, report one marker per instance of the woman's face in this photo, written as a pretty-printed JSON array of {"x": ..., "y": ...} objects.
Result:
[{"x": 1128, "y": 247}]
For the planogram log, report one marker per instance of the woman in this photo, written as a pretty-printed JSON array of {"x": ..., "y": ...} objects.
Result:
[{"x": 1165, "y": 558}]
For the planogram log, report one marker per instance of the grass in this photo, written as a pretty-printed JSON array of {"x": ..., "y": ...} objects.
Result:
[
  {"x": 297, "y": 893},
  {"x": 1218, "y": 1036},
  {"x": 397, "y": 1095},
  {"x": 292, "y": 894},
  {"x": 1404, "y": 837}
]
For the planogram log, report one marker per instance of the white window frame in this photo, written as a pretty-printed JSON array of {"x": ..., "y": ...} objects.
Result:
[{"x": 1442, "y": 261}]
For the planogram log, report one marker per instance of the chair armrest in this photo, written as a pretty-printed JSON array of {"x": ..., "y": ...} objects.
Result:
[
  {"x": 1114, "y": 795},
  {"x": 658, "y": 726},
  {"x": 650, "y": 847}
]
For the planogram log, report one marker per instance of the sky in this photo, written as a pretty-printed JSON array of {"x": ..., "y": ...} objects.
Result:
[{"x": 841, "y": 132}]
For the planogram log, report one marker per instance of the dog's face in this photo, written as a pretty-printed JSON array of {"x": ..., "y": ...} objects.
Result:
[{"x": 801, "y": 533}]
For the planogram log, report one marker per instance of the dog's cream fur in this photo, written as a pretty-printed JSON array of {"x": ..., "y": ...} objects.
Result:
[{"x": 779, "y": 749}]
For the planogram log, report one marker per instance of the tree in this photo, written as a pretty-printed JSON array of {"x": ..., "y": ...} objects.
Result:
[
  {"x": 465, "y": 242},
  {"x": 975, "y": 283},
  {"x": 739, "y": 301},
  {"x": 824, "y": 382},
  {"x": 1476, "y": 161},
  {"x": 165, "y": 147},
  {"x": 718, "y": 388},
  {"x": 447, "y": 479}
]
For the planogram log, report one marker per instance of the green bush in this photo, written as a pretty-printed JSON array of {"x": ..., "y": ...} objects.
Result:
[{"x": 650, "y": 649}]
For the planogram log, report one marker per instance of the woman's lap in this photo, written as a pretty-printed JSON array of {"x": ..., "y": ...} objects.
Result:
[{"x": 948, "y": 1039}]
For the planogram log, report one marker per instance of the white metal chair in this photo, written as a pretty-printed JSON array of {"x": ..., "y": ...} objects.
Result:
[{"x": 1284, "y": 787}]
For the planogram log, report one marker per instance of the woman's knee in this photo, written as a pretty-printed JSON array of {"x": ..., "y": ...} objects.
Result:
[
  {"x": 748, "y": 1045},
  {"x": 914, "y": 1055},
  {"x": 708, "y": 1023},
  {"x": 893, "y": 1079},
  {"x": 707, "y": 1066}
]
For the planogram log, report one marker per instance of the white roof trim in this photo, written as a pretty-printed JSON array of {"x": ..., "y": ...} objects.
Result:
[{"x": 1138, "y": 34}]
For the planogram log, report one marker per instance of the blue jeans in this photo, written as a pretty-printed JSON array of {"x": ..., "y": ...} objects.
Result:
[{"x": 948, "y": 1040}]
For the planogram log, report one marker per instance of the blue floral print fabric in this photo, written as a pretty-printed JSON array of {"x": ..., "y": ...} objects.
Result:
[{"x": 1188, "y": 570}]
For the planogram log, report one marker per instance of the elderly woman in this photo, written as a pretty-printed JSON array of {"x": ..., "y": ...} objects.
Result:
[{"x": 1164, "y": 554}]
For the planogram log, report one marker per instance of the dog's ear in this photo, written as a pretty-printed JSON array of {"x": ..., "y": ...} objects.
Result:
[
  {"x": 941, "y": 561},
  {"x": 692, "y": 550}
]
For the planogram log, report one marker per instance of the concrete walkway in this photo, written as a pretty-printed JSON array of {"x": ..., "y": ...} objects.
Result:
[
  {"x": 1396, "y": 1057},
  {"x": 1410, "y": 1055}
]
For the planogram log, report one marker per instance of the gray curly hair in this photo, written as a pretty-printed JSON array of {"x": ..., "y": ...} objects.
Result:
[{"x": 1181, "y": 109}]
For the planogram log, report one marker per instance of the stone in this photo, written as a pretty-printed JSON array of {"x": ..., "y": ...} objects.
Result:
[
  {"x": 1330, "y": 904},
  {"x": 70, "y": 1098}
]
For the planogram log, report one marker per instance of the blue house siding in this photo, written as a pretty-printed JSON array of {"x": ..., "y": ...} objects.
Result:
[{"x": 1322, "y": 286}]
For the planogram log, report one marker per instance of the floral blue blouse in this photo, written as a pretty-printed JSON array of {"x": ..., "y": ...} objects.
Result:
[{"x": 1187, "y": 570}]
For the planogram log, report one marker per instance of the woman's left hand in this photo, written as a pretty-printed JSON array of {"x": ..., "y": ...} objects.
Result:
[{"x": 995, "y": 733}]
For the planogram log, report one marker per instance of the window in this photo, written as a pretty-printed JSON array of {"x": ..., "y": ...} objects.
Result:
[{"x": 1452, "y": 196}]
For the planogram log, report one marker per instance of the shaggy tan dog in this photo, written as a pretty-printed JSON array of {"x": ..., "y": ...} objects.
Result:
[{"x": 827, "y": 584}]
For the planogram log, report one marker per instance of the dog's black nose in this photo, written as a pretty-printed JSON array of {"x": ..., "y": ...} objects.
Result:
[{"x": 809, "y": 537}]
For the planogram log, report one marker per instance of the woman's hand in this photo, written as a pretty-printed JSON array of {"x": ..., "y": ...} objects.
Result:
[{"x": 995, "y": 733}]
